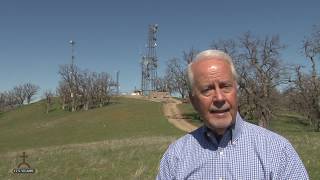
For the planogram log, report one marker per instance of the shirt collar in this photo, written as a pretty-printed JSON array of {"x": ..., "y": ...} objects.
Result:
[{"x": 236, "y": 131}]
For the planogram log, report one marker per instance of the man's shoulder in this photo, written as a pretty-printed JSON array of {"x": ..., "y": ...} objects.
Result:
[
  {"x": 188, "y": 141},
  {"x": 261, "y": 134},
  {"x": 277, "y": 151}
]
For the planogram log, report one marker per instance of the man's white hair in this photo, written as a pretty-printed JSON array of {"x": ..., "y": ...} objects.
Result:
[{"x": 214, "y": 55}]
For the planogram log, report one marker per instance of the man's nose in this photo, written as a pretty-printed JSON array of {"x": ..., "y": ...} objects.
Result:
[{"x": 219, "y": 98}]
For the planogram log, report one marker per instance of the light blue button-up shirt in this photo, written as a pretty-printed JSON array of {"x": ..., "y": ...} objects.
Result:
[{"x": 246, "y": 151}]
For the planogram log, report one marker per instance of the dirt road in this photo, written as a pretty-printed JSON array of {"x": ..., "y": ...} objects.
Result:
[{"x": 172, "y": 112}]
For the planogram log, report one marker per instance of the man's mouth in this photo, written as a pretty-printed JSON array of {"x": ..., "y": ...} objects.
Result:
[{"x": 219, "y": 111}]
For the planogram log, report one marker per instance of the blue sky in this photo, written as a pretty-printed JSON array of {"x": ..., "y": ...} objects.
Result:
[{"x": 111, "y": 35}]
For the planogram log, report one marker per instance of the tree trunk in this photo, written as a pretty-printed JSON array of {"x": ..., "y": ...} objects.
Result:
[
  {"x": 86, "y": 106},
  {"x": 47, "y": 108},
  {"x": 265, "y": 119},
  {"x": 263, "y": 123}
]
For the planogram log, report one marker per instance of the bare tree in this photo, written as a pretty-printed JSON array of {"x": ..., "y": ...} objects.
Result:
[
  {"x": 260, "y": 72},
  {"x": 162, "y": 84},
  {"x": 10, "y": 99},
  {"x": 63, "y": 92},
  {"x": 70, "y": 74},
  {"x": 19, "y": 94},
  {"x": 83, "y": 89},
  {"x": 301, "y": 97},
  {"x": 48, "y": 94},
  {"x": 102, "y": 89},
  {"x": 30, "y": 90},
  {"x": 177, "y": 77},
  {"x": 189, "y": 56},
  {"x": 2, "y": 102},
  {"x": 7, "y": 101},
  {"x": 86, "y": 88},
  {"x": 305, "y": 91}
]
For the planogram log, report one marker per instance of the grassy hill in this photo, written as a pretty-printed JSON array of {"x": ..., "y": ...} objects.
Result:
[{"x": 123, "y": 140}]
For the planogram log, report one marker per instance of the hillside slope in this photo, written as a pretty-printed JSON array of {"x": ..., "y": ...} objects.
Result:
[{"x": 128, "y": 134}]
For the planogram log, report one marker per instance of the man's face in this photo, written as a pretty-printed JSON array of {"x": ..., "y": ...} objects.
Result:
[{"x": 214, "y": 93}]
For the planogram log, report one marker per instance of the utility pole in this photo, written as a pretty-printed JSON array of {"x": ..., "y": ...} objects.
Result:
[
  {"x": 72, "y": 76},
  {"x": 117, "y": 82}
]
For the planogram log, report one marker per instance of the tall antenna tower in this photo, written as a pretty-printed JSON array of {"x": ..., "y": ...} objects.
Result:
[
  {"x": 149, "y": 63},
  {"x": 72, "y": 43}
]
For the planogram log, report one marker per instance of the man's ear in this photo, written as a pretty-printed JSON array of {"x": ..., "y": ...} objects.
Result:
[{"x": 237, "y": 85}]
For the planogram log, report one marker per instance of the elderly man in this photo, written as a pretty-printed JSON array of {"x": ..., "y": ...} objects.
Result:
[{"x": 226, "y": 147}]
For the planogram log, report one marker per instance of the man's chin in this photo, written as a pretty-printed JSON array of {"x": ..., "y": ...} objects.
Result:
[{"x": 219, "y": 121}]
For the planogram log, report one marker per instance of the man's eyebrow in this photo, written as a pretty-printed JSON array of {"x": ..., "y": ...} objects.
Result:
[
  {"x": 206, "y": 85},
  {"x": 225, "y": 81}
]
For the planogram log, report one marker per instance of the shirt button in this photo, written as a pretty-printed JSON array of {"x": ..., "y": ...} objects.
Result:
[
  {"x": 221, "y": 178},
  {"x": 221, "y": 153}
]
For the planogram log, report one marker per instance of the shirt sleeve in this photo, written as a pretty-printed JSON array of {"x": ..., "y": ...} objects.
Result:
[
  {"x": 167, "y": 165},
  {"x": 291, "y": 165}
]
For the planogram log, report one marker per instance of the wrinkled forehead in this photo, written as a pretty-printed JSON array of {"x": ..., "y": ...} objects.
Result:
[{"x": 208, "y": 67}]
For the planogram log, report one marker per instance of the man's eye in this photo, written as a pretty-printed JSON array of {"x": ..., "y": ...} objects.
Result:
[
  {"x": 207, "y": 91},
  {"x": 226, "y": 87}
]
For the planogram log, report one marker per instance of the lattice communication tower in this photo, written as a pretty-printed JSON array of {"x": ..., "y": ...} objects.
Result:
[{"x": 149, "y": 63}]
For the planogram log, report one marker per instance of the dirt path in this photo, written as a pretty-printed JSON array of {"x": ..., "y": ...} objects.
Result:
[{"x": 172, "y": 112}]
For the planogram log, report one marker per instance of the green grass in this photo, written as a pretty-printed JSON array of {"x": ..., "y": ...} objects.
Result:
[
  {"x": 306, "y": 142},
  {"x": 132, "y": 158},
  {"x": 293, "y": 127},
  {"x": 190, "y": 114},
  {"x": 122, "y": 140},
  {"x": 31, "y": 127}
]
